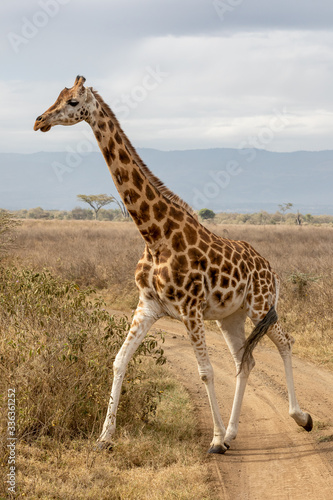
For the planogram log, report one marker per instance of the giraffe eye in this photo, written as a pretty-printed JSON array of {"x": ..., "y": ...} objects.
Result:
[{"x": 72, "y": 102}]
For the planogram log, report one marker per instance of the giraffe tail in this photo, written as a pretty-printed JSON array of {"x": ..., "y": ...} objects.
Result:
[{"x": 259, "y": 331}]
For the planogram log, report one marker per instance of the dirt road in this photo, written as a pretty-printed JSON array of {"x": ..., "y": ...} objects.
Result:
[{"x": 272, "y": 457}]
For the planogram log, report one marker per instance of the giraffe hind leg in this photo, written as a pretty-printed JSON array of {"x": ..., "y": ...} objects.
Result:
[
  {"x": 284, "y": 344},
  {"x": 233, "y": 329}
]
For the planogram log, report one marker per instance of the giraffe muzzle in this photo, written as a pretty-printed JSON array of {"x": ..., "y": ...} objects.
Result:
[{"x": 40, "y": 126}]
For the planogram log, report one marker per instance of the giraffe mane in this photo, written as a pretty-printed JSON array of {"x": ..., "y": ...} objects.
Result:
[{"x": 156, "y": 182}]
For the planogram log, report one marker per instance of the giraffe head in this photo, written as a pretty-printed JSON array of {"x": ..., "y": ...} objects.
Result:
[{"x": 72, "y": 106}]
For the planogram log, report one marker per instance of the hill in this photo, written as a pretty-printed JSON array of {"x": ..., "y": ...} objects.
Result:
[{"x": 221, "y": 179}]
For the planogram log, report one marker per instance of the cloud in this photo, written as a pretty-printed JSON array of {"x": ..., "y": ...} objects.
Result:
[{"x": 225, "y": 74}]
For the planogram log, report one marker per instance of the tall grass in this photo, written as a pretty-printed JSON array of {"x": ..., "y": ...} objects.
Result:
[
  {"x": 7, "y": 237},
  {"x": 99, "y": 254}
]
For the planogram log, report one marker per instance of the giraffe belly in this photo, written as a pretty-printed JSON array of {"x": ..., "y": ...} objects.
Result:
[{"x": 227, "y": 304}]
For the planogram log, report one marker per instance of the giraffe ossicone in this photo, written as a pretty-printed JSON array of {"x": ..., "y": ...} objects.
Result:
[{"x": 186, "y": 271}]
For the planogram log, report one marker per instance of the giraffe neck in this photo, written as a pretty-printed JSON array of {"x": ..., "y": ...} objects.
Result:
[{"x": 145, "y": 197}]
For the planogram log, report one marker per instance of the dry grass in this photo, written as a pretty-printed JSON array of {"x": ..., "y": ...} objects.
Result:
[
  {"x": 161, "y": 459},
  {"x": 99, "y": 254},
  {"x": 104, "y": 254}
]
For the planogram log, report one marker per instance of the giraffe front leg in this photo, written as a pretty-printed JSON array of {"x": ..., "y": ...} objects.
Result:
[
  {"x": 217, "y": 444},
  {"x": 196, "y": 332},
  {"x": 141, "y": 323}
]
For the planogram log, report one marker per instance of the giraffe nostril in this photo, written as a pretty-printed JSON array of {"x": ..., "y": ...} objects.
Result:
[{"x": 39, "y": 118}]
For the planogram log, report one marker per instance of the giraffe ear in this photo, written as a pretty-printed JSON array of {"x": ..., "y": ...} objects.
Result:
[{"x": 79, "y": 81}]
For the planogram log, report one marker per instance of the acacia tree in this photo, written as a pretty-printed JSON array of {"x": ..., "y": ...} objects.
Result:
[
  {"x": 284, "y": 208},
  {"x": 97, "y": 201}
]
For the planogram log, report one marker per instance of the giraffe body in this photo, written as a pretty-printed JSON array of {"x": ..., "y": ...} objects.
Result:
[{"x": 186, "y": 271}]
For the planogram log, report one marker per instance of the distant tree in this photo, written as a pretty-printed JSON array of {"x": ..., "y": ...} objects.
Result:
[
  {"x": 61, "y": 214},
  {"x": 39, "y": 213},
  {"x": 298, "y": 220},
  {"x": 243, "y": 218},
  {"x": 206, "y": 214},
  {"x": 111, "y": 214},
  {"x": 284, "y": 207},
  {"x": 309, "y": 218},
  {"x": 79, "y": 213},
  {"x": 123, "y": 209},
  {"x": 96, "y": 201}
]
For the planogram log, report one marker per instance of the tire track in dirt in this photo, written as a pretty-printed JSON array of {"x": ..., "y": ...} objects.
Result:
[{"x": 272, "y": 457}]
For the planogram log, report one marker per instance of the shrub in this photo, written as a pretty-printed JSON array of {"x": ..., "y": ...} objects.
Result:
[
  {"x": 57, "y": 345},
  {"x": 206, "y": 214},
  {"x": 301, "y": 282}
]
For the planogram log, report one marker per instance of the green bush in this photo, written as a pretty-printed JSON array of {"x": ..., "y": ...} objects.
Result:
[
  {"x": 206, "y": 214},
  {"x": 57, "y": 347}
]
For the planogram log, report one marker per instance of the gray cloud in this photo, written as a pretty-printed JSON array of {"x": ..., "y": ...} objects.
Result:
[{"x": 226, "y": 72}]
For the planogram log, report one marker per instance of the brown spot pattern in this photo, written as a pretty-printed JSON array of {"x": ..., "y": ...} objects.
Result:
[
  {"x": 169, "y": 227},
  {"x": 118, "y": 138},
  {"x": 121, "y": 175},
  {"x": 152, "y": 234},
  {"x": 150, "y": 193},
  {"x": 190, "y": 234},
  {"x": 131, "y": 196},
  {"x": 123, "y": 157},
  {"x": 160, "y": 210},
  {"x": 176, "y": 214},
  {"x": 178, "y": 242},
  {"x": 197, "y": 259},
  {"x": 137, "y": 180},
  {"x": 102, "y": 126}
]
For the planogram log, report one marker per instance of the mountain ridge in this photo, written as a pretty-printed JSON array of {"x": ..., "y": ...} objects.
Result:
[{"x": 222, "y": 179}]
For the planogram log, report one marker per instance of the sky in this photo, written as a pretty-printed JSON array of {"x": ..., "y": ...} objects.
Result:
[{"x": 179, "y": 74}]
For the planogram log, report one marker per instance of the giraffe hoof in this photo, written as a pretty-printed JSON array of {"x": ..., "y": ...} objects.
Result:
[
  {"x": 219, "y": 449},
  {"x": 309, "y": 424},
  {"x": 103, "y": 445},
  {"x": 227, "y": 445}
]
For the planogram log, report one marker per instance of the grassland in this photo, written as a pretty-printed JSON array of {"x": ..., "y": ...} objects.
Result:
[{"x": 160, "y": 455}]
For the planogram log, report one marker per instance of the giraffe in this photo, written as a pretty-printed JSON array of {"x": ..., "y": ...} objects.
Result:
[{"x": 186, "y": 271}]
